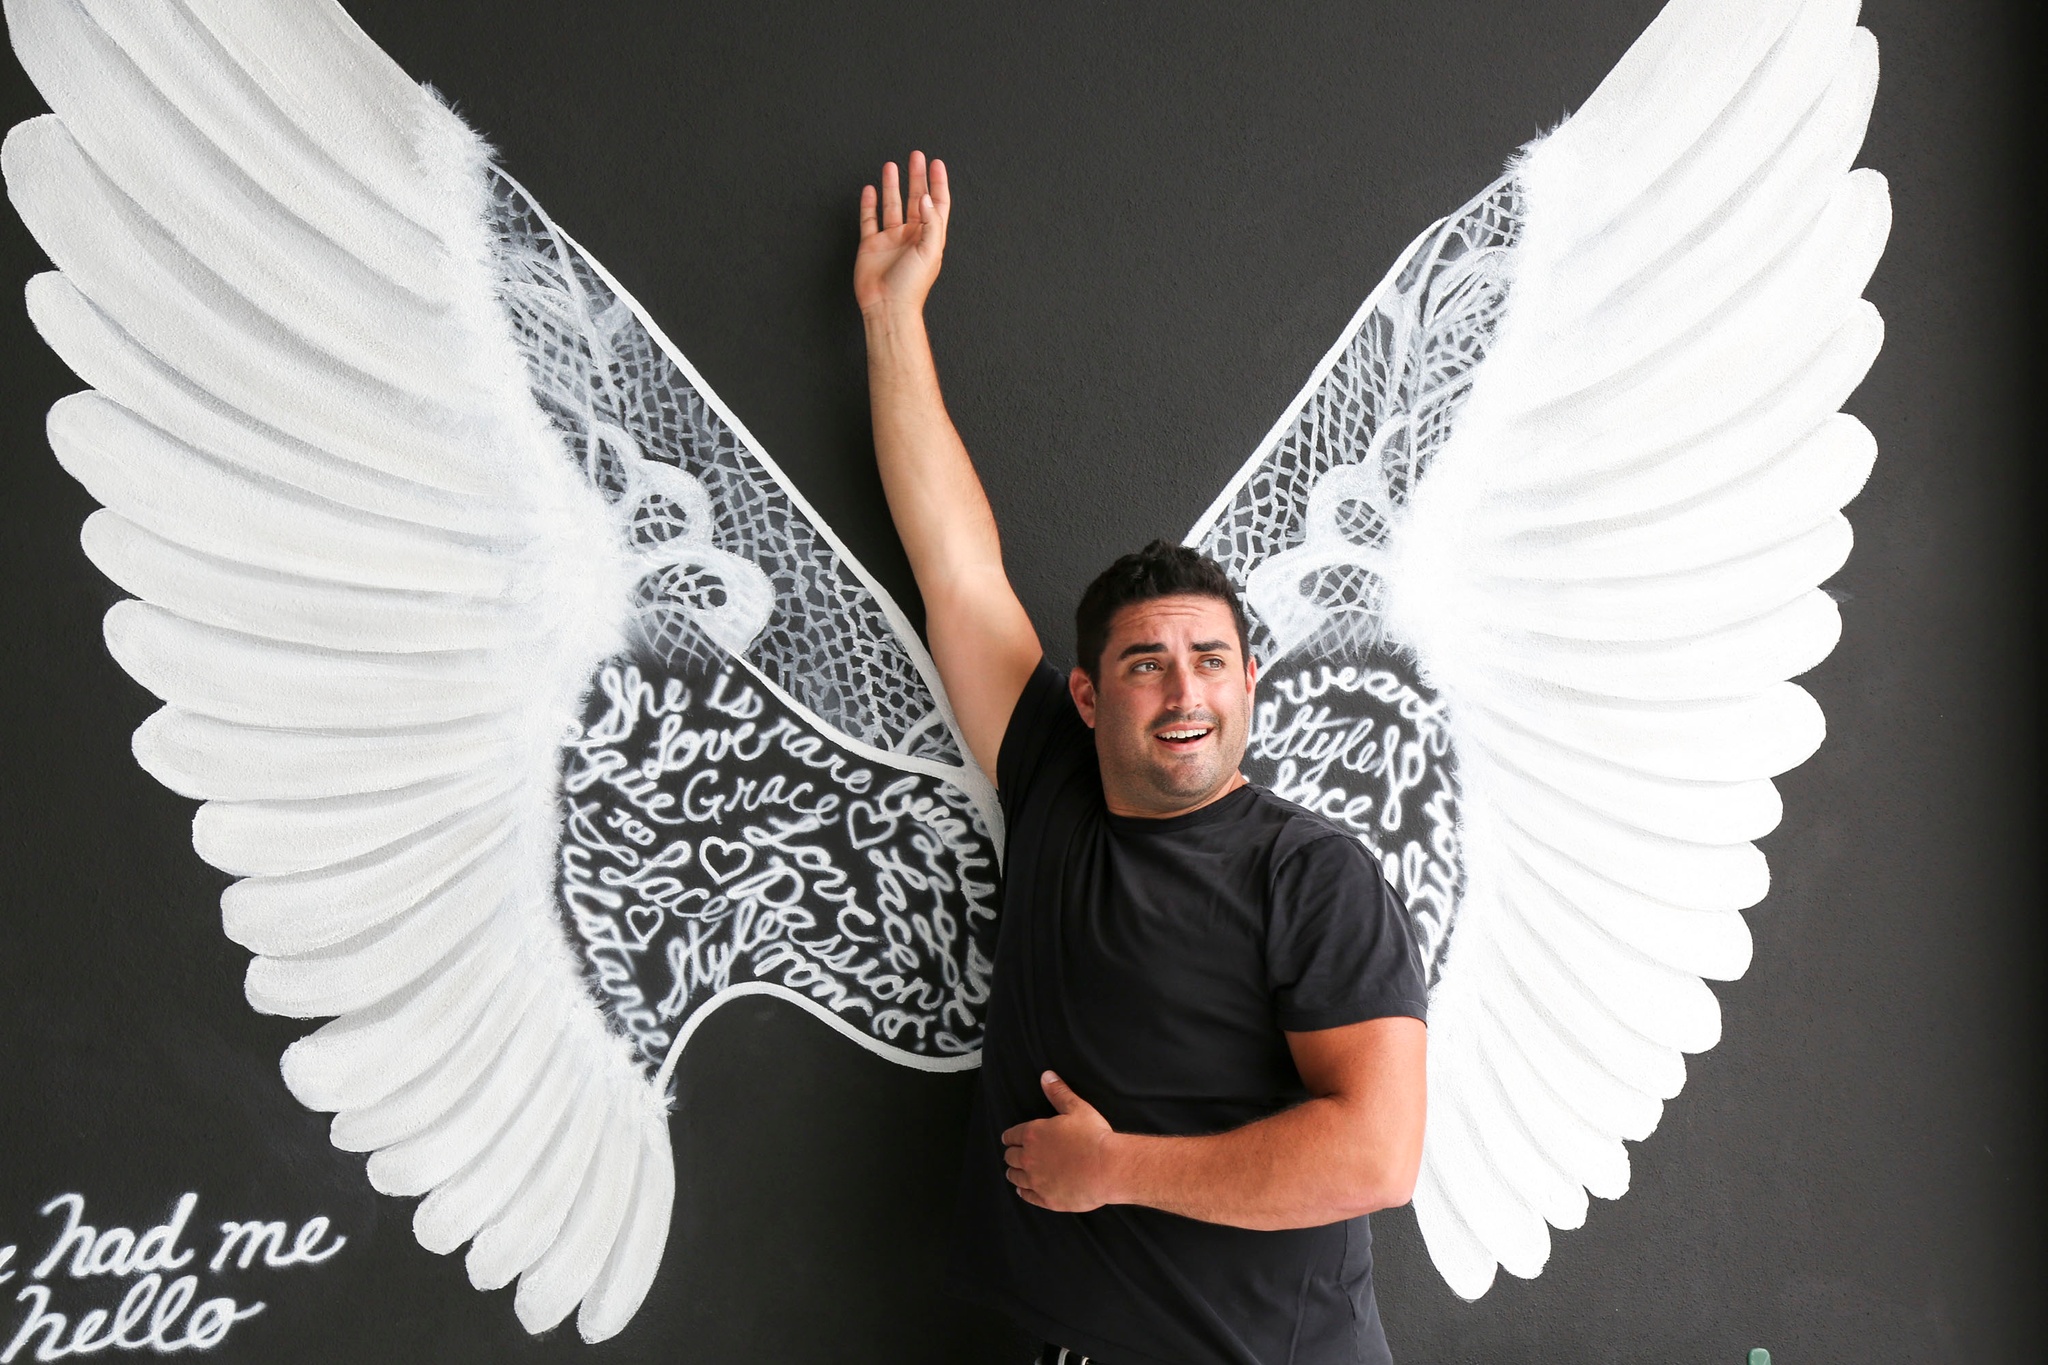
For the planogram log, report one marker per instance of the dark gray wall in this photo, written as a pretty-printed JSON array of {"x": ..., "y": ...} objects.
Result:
[{"x": 1165, "y": 213}]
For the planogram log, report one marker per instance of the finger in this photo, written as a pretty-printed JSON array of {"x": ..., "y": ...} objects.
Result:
[
  {"x": 1060, "y": 1093},
  {"x": 1018, "y": 1178},
  {"x": 942, "y": 192},
  {"x": 1012, "y": 1136},
  {"x": 917, "y": 186},
  {"x": 1013, "y": 1157},
  {"x": 892, "y": 197},
  {"x": 1031, "y": 1197},
  {"x": 868, "y": 226}
]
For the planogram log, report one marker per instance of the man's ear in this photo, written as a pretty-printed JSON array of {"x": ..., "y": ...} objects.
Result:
[{"x": 1082, "y": 689}]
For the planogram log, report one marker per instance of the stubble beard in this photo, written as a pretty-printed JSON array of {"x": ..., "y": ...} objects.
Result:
[{"x": 1169, "y": 786}]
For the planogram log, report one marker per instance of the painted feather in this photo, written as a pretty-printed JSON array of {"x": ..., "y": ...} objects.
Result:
[
  {"x": 535, "y": 709},
  {"x": 1531, "y": 561}
]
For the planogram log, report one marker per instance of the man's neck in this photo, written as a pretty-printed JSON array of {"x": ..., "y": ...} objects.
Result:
[{"x": 1119, "y": 806}]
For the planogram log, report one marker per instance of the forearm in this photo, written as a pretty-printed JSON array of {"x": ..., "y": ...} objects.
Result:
[
  {"x": 1303, "y": 1167},
  {"x": 935, "y": 497}
]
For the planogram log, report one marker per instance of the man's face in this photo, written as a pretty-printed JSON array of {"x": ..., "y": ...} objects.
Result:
[{"x": 1171, "y": 705}]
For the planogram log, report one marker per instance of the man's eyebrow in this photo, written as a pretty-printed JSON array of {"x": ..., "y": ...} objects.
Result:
[{"x": 1155, "y": 647}]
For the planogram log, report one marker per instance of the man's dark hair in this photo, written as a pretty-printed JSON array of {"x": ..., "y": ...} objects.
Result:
[{"x": 1161, "y": 569}]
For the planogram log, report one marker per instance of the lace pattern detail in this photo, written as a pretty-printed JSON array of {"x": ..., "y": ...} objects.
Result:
[
  {"x": 617, "y": 399},
  {"x": 1347, "y": 725},
  {"x": 1386, "y": 407}
]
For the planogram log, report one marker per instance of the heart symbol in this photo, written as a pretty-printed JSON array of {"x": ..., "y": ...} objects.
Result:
[
  {"x": 642, "y": 921},
  {"x": 724, "y": 859},
  {"x": 878, "y": 827}
]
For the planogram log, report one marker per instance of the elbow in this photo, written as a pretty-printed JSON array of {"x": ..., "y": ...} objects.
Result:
[
  {"x": 1396, "y": 1188},
  {"x": 1398, "y": 1177},
  {"x": 1382, "y": 1177},
  {"x": 1398, "y": 1171},
  {"x": 1382, "y": 1187}
]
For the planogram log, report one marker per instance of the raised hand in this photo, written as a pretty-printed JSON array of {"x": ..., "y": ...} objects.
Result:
[{"x": 900, "y": 245}]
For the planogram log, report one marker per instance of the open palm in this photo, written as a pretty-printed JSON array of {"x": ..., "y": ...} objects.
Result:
[{"x": 900, "y": 250}]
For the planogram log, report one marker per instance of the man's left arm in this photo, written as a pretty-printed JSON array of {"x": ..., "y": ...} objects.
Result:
[{"x": 1354, "y": 1147}]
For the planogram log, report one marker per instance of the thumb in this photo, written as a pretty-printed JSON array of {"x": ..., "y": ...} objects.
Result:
[
  {"x": 931, "y": 226},
  {"x": 1061, "y": 1094}
]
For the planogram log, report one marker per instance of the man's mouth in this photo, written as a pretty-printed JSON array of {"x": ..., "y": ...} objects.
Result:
[{"x": 1183, "y": 736}]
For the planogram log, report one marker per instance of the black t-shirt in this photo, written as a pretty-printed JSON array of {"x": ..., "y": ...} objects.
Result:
[{"x": 1154, "y": 964}]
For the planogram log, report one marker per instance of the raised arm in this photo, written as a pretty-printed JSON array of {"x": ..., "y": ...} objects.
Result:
[{"x": 980, "y": 638}]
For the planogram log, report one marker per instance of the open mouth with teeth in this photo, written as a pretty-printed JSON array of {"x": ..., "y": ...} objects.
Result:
[{"x": 1183, "y": 737}]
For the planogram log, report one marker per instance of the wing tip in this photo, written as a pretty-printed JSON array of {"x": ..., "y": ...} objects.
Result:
[
  {"x": 21, "y": 141},
  {"x": 628, "y": 1273}
]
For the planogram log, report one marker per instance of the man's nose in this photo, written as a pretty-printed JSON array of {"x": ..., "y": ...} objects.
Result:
[{"x": 1181, "y": 691}]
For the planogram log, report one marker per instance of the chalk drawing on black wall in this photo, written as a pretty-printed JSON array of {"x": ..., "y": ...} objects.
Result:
[
  {"x": 1531, "y": 560},
  {"x": 535, "y": 709},
  {"x": 89, "y": 1288},
  {"x": 539, "y": 714}
]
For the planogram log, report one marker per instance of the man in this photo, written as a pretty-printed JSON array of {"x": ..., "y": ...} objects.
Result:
[{"x": 1204, "y": 1061}]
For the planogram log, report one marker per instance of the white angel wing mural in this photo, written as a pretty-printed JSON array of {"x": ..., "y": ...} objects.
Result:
[
  {"x": 1531, "y": 560},
  {"x": 536, "y": 711}
]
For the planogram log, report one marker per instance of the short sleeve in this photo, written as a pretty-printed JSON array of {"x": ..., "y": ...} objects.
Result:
[
  {"x": 1339, "y": 949},
  {"x": 1045, "y": 733}
]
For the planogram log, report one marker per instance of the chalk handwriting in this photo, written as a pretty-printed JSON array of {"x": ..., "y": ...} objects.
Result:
[
  {"x": 1370, "y": 749},
  {"x": 713, "y": 836},
  {"x": 156, "y": 1311}
]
